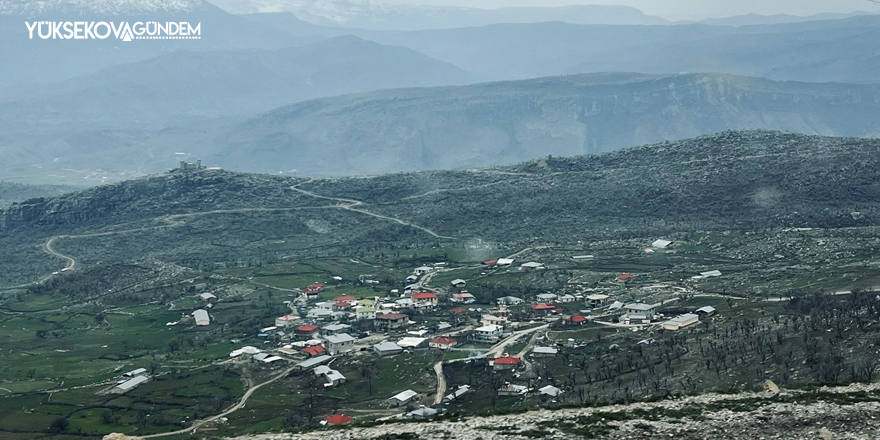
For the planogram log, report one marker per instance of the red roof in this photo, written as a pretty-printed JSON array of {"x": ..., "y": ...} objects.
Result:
[
  {"x": 625, "y": 276},
  {"x": 443, "y": 341},
  {"x": 558, "y": 310},
  {"x": 548, "y": 306},
  {"x": 391, "y": 316},
  {"x": 314, "y": 350},
  {"x": 424, "y": 295},
  {"x": 507, "y": 360},
  {"x": 458, "y": 310},
  {"x": 338, "y": 419},
  {"x": 317, "y": 285},
  {"x": 490, "y": 262},
  {"x": 577, "y": 319},
  {"x": 307, "y": 328},
  {"x": 311, "y": 290},
  {"x": 342, "y": 304},
  {"x": 344, "y": 298}
]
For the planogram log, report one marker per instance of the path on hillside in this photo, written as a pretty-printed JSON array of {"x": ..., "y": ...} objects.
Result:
[
  {"x": 350, "y": 205},
  {"x": 497, "y": 349},
  {"x": 241, "y": 403}
]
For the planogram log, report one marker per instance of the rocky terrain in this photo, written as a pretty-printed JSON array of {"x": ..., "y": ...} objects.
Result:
[{"x": 826, "y": 413}]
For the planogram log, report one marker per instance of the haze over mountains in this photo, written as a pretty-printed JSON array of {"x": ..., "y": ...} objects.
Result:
[
  {"x": 461, "y": 127},
  {"x": 243, "y": 96}
]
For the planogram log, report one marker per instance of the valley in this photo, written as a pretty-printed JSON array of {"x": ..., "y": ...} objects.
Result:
[{"x": 416, "y": 261}]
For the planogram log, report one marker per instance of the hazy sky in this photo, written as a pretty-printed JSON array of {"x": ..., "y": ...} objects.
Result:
[{"x": 683, "y": 9}]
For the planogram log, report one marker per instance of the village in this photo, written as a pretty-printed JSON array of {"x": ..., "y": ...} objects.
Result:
[{"x": 324, "y": 334}]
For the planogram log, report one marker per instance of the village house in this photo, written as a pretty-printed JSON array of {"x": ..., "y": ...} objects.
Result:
[
  {"x": 504, "y": 262},
  {"x": 286, "y": 320},
  {"x": 208, "y": 297},
  {"x": 333, "y": 377},
  {"x": 340, "y": 343},
  {"x": 387, "y": 348},
  {"x": 509, "y": 301},
  {"x": 680, "y": 322},
  {"x": 334, "y": 329},
  {"x": 391, "y": 321},
  {"x": 661, "y": 244},
  {"x": 597, "y": 300},
  {"x": 365, "y": 314},
  {"x": 531, "y": 265},
  {"x": 625, "y": 278},
  {"x": 338, "y": 419},
  {"x": 314, "y": 350},
  {"x": 577, "y": 320},
  {"x": 544, "y": 352},
  {"x": 442, "y": 343},
  {"x": 463, "y": 297},
  {"x": 706, "y": 311},
  {"x": 402, "y": 398},
  {"x": 565, "y": 299},
  {"x": 512, "y": 390},
  {"x": 349, "y": 298},
  {"x": 423, "y": 413},
  {"x": 424, "y": 270},
  {"x": 545, "y": 297},
  {"x": 201, "y": 317},
  {"x": 320, "y": 314},
  {"x": 306, "y": 331},
  {"x": 488, "y": 332},
  {"x": 639, "y": 312},
  {"x": 550, "y": 390},
  {"x": 458, "y": 283},
  {"x": 412, "y": 343},
  {"x": 543, "y": 309},
  {"x": 505, "y": 363},
  {"x": 128, "y": 385},
  {"x": 460, "y": 391},
  {"x": 313, "y": 362},
  {"x": 491, "y": 319},
  {"x": 424, "y": 300}
]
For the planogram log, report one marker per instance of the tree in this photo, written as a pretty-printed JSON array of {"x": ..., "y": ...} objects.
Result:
[{"x": 59, "y": 425}]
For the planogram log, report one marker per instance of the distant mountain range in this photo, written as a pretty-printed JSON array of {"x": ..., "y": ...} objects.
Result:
[
  {"x": 384, "y": 16},
  {"x": 831, "y": 50},
  {"x": 184, "y": 85},
  {"x": 455, "y": 127}
]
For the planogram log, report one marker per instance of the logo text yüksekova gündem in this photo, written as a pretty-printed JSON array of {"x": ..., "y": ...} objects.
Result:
[{"x": 125, "y": 31}]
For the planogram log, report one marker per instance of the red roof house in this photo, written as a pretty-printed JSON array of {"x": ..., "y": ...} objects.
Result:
[
  {"x": 548, "y": 306},
  {"x": 491, "y": 262},
  {"x": 442, "y": 342},
  {"x": 505, "y": 363},
  {"x": 423, "y": 296},
  {"x": 338, "y": 419},
  {"x": 306, "y": 329},
  {"x": 314, "y": 350},
  {"x": 344, "y": 298},
  {"x": 577, "y": 320},
  {"x": 625, "y": 277}
]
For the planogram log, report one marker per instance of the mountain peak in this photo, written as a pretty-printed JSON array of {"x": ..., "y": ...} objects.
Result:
[{"x": 101, "y": 7}]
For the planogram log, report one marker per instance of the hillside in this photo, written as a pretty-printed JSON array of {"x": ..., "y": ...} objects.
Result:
[
  {"x": 16, "y": 192},
  {"x": 504, "y": 123},
  {"x": 735, "y": 180}
]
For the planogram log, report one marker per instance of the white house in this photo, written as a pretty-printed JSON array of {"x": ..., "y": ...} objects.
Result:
[
  {"x": 339, "y": 343},
  {"x": 387, "y": 348},
  {"x": 410, "y": 342},
  {"x": 286, "y": 320},
  {"x": 201, "y": 317},
  {"x": 661, "y": 244},
  {"x": 509, "y": 301},
  {"x": 565, "y": 299},
  {"x": 365, "y": 313},
  {"x": 640, "y": 311},
  {"x": 458, "y": 283},
  {"x": 423, "y": 270},
  {"x": 488, "y": 332},
  {"x": 531, "y": 265},
  {"x": 545, "y": 297},
  {"x": 402, "y": 398},
  {"x": 550, "y": 390}
]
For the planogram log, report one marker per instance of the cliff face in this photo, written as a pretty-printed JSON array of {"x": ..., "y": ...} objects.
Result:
[{"x": 505, "y": 123}]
